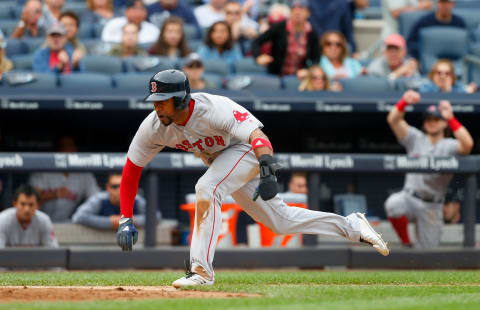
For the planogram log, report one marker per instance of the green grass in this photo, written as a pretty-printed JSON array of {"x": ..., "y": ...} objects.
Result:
[{"x": 282, "y": 290}]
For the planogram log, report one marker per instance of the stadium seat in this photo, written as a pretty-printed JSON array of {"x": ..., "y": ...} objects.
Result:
[
  {"x": 7, "y": 26},
  {"x": 86, "y": 81},
  {"x": 366, "y": 84},
  {"x": 34, "y": 43},
  {"x": 470, "y": 16},
  {"x": 41, "y": 81},
  {"x": 6, "y": 10},
  {"x": 406, "y": 21},
  {"x": 16, "y": 47},
  {"x": 345, "y": 204},
  {"x": 253, "y": 82},
  {"x": 77, "y": 7},
  {"x": 214, "y": 79},
  {"x": 194, "y": 44},
  {"x": 23, "y": 62},
  {"x": 148, "y": 64},
  {"x": 442, "y": 42},
  {"x": 291, "y": 82},
  {"x": 103, "y": 64},
  {"x": 248, "y": 65},
  {"x": 132, "y": 81},
  {"x": 190, "y": 32},
  {"x": 216, "y": 66},
  {"x": 85, "y": 32},
  {"x": 373, "y": 11}
]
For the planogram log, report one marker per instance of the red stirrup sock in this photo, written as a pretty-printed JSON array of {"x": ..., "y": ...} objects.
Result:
[{"x": 400, "y": 224}]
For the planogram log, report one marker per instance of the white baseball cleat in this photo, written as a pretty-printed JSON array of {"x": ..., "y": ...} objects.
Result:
[
  {"x": 370, "y": 236},
  {"x": 191, "y": 279}
]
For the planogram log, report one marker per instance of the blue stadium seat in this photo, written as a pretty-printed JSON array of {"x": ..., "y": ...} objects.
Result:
[
  {"x": 366, "y": 84},
  {"x": 190, "y": 32},
  {"x": 253, "y": 82},
  {"x": 103, "y": 64},
  {"x": 23, "y": 62},
  {"x": 216, "y": 66},
  {"x": 7, "y": 10},
  {"x": 16, "y": 47},
  {"x": 406, "y": 21},
  {"x": 85, "y": 32},
  {"x": 77, "y": 7},
  {"x": 7, "y": 26},
  {"x": 345, "y": 204},
  {"x": 214, "y": 79},
  {"x": 470, "y": 16},
  {"x": 248, "y": 65},
  {"x": 41, "y": 81},
  {"x": 467, "y": 4},
  {"x": 148, "y": 64},
  {"x": 291, "y": 82},
  {"x": 132, "y": 81},
  {"x": 373, "y": 11},
  {"x": 34, "y": 43},
  {"x": 442, "y": 42},
  {"x": 86, "y": 81},
  {"x": 194, "y": 44}
]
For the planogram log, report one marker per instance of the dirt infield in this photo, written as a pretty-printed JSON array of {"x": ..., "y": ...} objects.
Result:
[{"x": 80, "y": 293}]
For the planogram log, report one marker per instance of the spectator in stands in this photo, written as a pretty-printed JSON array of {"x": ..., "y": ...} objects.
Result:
[
  {"x": 298, "y": 183},
  {"x": 391, "y": 10},
  {"x": 60, "y": 192},
  {"x": 394, "y": 63},
  {"x": 278, "y": 12},
  {"x": 210, "y": 13},
  {"x": 317, "y": 80},
  {"x": 134, "y": 13},
  {"x": 57, "y": 56},
  {"x": 31, "y": 23},
  {"x": 5, "y": 64},
  {"x": 452, "y": 210},
  {"x": 243, "y": 28},
  {"x": 294, "y": 43},
  {"x": 335, "y": 60},
  {"x": 160, "y": 10},
  {"x": 99, "y": 12},
  {"x": 24, "y": 225},
  {"x": 102, "y": 210},
  {"x": 71, "y": 22},
  {"x": 129, "y": 46},
  {"x": 219, "y": 44},
  {"x": 52, "y": 10},
  {"x": 328, "y": 15},
  {"x": 443, "y": 79},
  {"x": 193, "y": 68},
  {"x": 443, "y": 16},
  {"x": 171, "y": 42}
]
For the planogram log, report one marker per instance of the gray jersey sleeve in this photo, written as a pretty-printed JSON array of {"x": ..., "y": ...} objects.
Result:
[
  {"x": 234, "y": 119},
  {"x": 451, "y": 146},
  {"x": 48, "y": 236},
  {"x": 146, "y": 143},
  {"x": 87, "y": 214},
  {"x": 412, "y": 137}
]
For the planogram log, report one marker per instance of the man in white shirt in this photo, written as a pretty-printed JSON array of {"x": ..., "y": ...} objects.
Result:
[
  {"x": 135, "y": 13},
  {"x": 391, "y": 9},
  {"x": 210, "y": 13}
]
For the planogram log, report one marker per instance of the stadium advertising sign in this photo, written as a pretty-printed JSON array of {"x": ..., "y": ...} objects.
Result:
[
  {"x": 71, "y": 104},
  {"x": 328, "y": 162},
  {"x": 111, "y": 161},
  {"x": 11, "y": 161},
  {"x": 19, "y": 105},
  {"x": 320, "y": 106},
  {"x": 420, "y": 163},
  {"x": 274, "y": 107}
]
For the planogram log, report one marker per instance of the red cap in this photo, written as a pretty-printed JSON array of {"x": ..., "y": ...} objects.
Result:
[{"x": 396, "y": 40}]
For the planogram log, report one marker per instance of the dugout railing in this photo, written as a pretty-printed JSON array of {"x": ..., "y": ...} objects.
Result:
[{"x": 314, "y": 164}]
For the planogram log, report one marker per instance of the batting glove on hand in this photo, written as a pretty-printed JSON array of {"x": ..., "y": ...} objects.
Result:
[
  {"x": 267, "y": 189},
  {"x": 127, "y": 234}
]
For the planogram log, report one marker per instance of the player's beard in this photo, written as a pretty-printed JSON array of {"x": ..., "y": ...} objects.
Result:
[{"x": 165, "y": 120}]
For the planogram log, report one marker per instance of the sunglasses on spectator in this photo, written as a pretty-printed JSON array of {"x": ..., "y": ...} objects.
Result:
[
  {"x": 233, "y": 12},
  {"x": 444, "y": 73},
  {"x": 393, "y": 47},
  {"x": 318, "y": 77},
  {"x": 115, "y": 186},
  {"x": 330, "y": 43}
]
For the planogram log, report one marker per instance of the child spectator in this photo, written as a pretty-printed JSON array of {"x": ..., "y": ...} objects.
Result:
[
  {"x": 171, "y": 42},
  {"x": 317, "y": 80},
  {"x": 24, "y": 225},
  {"x": 129, "y": 45},
  {"x": 335, "y": 61},
  {"x": 193, "y": 68},
  {"x": 219, "y": 44}
]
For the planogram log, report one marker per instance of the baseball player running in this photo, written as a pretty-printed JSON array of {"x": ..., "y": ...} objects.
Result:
[
  {"x": 231, "y": 143},
  {"x": 422, "y": 197}
]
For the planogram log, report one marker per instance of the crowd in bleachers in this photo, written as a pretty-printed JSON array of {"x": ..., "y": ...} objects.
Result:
[{"x": 242, "y": 44}]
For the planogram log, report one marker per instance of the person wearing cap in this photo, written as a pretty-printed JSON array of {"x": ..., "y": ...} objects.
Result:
[
  {"x": 443, "y": 79},
  {"x": 391, "y": 10},
  {"x": 129, "y": 46},
  {"x": 193, "y": 69},
  {"x": 5, "y": 64},
  {"x": 423, "y": 194},
  {"x": 57, "y": 55},
  {"x": 135, "y": 13},
  {"x": 31, "y": 23},
  {"x": 294, "y": 43},
  {"x": 442, "y": 17},
  {"x": 394, "y": 63}
]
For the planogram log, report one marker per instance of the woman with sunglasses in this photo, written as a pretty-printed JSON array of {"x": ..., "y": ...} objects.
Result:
[
  {"x": 335, "y": 60},
  {"x": 317, "y": 80},
  {"x": 443, "y": 79}
]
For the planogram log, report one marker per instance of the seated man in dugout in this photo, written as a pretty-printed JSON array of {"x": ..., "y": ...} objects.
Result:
[
  {"x": 102, "y": 210},
  {"x": 24, "y": 225}
]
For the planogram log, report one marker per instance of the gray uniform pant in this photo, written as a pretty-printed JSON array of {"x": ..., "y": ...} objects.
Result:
[
  {"x": 427, "y": 215},
  {"x": 236, "y": 171}
]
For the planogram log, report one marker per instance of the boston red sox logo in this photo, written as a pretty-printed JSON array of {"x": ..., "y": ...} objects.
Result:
[
  {"x": 240, "y": 117},
  {"x": 154, "y": 87}
]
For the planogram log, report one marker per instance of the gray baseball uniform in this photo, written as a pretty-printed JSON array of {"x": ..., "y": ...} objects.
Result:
[
  {"x": 422, "y": 197},
  {"x": 38, "y": 233},
  {"x": 218, "y": 131}
]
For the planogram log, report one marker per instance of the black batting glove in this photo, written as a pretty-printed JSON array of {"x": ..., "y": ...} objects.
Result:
[
  {"x": 267, "y": 189},
  {"x": 127, "y": 234}
]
